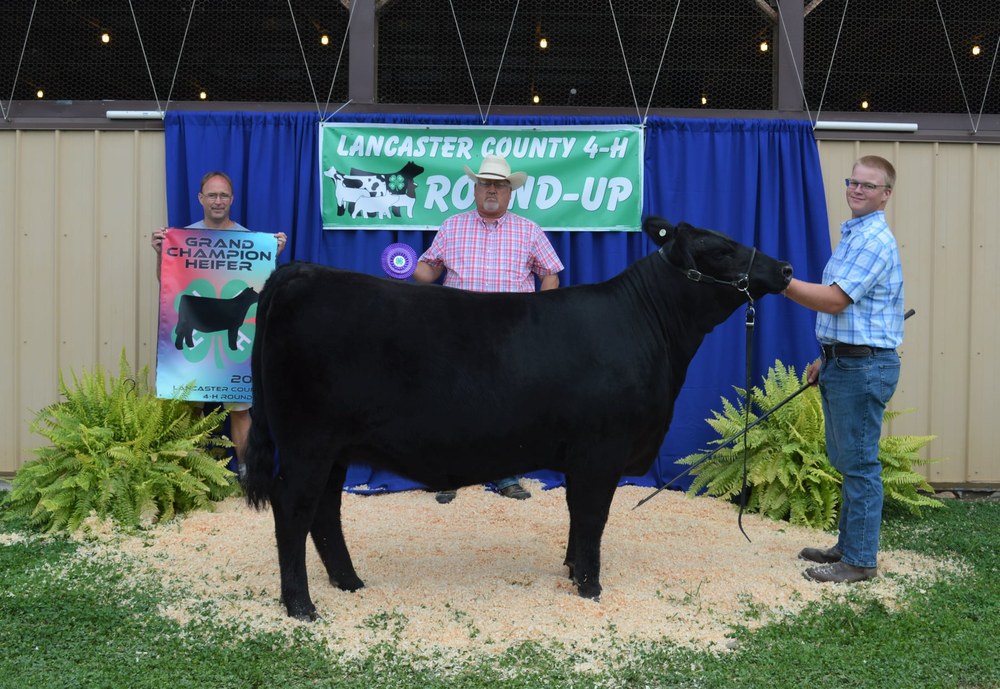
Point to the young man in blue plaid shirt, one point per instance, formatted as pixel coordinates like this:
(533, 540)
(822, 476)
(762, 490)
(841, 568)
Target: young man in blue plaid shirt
(859, 325)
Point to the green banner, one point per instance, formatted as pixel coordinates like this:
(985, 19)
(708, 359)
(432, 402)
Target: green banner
(413, 176)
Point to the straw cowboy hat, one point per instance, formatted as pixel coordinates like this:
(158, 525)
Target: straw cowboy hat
(496, 168)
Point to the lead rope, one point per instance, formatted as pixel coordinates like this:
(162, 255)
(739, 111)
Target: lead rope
(750, 320)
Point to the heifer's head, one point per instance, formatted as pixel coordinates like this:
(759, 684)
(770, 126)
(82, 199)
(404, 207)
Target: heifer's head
(707, 256)
(248, 296)
(411, 169)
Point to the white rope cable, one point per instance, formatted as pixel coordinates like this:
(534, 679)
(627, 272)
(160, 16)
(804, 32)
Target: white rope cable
(336, 70)
(145, 59)
(305, 60)
(13, 87)
(986, 89)
(479, 105)
(187, 27)
(663, 55)
(954, 62)
(833, 56)
(795, 65)
(502, 58)
(621, 45)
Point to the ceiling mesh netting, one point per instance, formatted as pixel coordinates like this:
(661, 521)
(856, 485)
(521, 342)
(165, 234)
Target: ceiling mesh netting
(894, 55)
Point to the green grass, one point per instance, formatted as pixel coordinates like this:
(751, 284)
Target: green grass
(67, 621)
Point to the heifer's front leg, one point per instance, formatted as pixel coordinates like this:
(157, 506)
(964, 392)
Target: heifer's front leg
(589, 501)
(328, 534)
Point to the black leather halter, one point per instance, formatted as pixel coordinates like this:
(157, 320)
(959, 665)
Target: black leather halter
(741, 283)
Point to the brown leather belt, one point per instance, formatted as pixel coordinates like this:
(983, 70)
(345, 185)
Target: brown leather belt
(834, 350)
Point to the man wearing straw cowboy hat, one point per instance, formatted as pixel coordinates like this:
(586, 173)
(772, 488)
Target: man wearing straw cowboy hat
(491, 250)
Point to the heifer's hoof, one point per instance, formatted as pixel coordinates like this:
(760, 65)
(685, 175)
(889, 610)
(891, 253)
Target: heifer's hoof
(302, 613)
(571, 567)
(591, 591)
(348, 583)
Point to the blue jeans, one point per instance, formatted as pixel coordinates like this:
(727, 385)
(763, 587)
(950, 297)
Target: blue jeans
(854, 392)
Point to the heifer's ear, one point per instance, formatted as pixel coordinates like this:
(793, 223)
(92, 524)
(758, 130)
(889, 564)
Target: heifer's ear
(658, 229)
(679, 251)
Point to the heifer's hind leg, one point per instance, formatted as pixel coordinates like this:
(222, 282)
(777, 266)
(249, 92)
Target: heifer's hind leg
(589, 501)
(295, 497)
(570, 560)
(328, 534)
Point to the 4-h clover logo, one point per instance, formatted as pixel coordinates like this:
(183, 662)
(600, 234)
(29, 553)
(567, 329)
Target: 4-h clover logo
(397, 183)
(220, 326)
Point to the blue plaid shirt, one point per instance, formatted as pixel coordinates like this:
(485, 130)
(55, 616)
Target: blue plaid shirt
(866, 266)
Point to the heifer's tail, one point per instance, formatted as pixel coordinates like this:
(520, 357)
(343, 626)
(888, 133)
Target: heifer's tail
(261, 459)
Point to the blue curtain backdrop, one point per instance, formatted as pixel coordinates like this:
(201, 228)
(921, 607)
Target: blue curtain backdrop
(758, 181)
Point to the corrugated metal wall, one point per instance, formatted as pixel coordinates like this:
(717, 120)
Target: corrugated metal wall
(79, 282)
(77, 208)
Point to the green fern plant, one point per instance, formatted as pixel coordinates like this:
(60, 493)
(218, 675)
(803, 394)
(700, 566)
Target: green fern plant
(788, 472)
(121, 453)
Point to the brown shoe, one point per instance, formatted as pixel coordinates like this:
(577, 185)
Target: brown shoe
(515, 491)
(823, 557)
(840, 573)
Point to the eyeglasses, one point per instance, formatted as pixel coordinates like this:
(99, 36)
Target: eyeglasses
(867, 186)
(498, 183)
(217, 197)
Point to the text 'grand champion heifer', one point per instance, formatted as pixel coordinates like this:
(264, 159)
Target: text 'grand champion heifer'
(455, 388)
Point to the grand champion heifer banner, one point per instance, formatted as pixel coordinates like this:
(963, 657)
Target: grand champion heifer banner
(586, 177)
(209, 283)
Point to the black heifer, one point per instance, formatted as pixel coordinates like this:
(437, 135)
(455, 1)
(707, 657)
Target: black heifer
(455, 388)
(208, 314)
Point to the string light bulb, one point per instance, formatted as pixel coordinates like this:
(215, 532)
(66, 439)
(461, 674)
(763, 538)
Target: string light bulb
(324, 39)
(203, 95)
(39, 94)
(864, 104)
(543, 43)
(536, 99)
(764, 47)
(105, 38)
(704, 100)
(976, 50)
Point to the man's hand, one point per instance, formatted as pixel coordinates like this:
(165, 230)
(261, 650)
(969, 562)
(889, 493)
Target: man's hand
(157, 239)
(282, 239)
(812, 372)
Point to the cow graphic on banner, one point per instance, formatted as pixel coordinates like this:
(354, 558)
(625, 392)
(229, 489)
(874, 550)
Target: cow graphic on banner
(209, 283)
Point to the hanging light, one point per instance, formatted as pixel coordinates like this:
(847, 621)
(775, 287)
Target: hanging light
(536, 99)
(704, 100)
(39, 94)
(105, 38)
(976, 50)
(864, 104)
(543, 40)
(324, 39)
(764, 47)
(203, 95)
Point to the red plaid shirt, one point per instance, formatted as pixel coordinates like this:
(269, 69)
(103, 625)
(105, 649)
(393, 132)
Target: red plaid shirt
(502, 256)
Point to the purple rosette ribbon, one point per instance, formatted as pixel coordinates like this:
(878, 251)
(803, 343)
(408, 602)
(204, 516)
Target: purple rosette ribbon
(399, 261)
